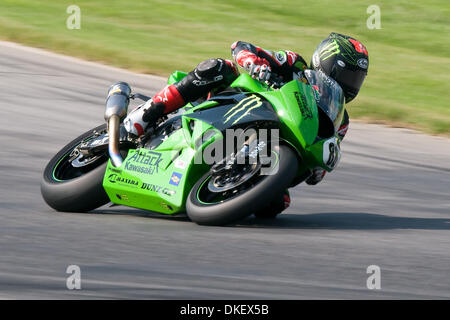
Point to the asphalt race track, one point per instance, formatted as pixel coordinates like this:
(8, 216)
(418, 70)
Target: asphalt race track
(388, 204)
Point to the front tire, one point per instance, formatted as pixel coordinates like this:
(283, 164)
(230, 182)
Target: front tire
(74, 190)
(247, 202)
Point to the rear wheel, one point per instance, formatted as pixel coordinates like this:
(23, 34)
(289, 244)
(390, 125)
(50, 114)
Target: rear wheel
(65, 187)
(219, 200)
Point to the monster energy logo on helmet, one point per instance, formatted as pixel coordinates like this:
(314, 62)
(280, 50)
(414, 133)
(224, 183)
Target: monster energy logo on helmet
(329, 50)
(339, 44)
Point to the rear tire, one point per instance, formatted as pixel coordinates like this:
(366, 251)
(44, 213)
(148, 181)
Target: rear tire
(247, 202)
(75, 194)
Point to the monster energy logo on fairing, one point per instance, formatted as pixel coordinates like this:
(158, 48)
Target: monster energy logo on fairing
(245, 106)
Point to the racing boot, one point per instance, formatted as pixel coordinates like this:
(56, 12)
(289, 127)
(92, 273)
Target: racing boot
(275, 207)
(342, 131)
(165, 101)
(316, 176)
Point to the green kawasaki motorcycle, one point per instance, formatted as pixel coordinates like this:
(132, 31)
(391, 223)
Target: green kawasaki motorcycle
(219, 160)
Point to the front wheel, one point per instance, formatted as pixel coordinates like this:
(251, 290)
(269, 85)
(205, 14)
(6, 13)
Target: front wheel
(65, 187)
(208, 206)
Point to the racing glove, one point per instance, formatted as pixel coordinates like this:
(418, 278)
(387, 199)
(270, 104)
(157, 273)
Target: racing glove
(258, 68)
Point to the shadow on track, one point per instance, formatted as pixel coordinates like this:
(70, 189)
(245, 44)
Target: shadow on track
(329, 220)
(346, 221)
(123, 211)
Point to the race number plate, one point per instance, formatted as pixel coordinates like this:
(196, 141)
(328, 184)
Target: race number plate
(331, 153)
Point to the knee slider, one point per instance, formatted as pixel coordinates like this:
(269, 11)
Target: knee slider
(208, 68)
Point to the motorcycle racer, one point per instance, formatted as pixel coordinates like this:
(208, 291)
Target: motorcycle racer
(341, 57)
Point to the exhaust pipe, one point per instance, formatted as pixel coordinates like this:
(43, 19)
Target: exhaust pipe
(113, 145)
(116, 110)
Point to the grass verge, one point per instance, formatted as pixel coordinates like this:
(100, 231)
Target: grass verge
(409, 72)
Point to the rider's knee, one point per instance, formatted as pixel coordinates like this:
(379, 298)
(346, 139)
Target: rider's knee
(216, 70)
(208, 75)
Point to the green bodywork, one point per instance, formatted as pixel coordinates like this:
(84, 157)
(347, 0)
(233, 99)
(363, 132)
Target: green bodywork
(161, 179)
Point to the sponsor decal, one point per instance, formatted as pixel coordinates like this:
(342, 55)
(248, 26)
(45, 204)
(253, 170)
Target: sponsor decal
(359, 46)
(303, 105)
(160, 97)
(157, 189)
(316, 93)
(144, 162)
(363, 63)
(180, 164)
(243, 108)
(115, 178)
(292, 56)
(200, 83)
(315, 60)
(175, 179)
(280, 57)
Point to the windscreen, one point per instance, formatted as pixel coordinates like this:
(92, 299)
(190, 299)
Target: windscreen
(330, 97)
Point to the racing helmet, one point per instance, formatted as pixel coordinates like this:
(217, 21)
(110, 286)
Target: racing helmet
(344, 59)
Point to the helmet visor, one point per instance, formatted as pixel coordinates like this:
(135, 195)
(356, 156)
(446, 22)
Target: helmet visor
(350, 80)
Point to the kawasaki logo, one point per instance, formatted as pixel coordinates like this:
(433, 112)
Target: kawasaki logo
(146, 163)
(243, 108)
(303, 105)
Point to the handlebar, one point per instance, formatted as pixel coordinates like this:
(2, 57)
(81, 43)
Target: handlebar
(275, 81)
(140, 96)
